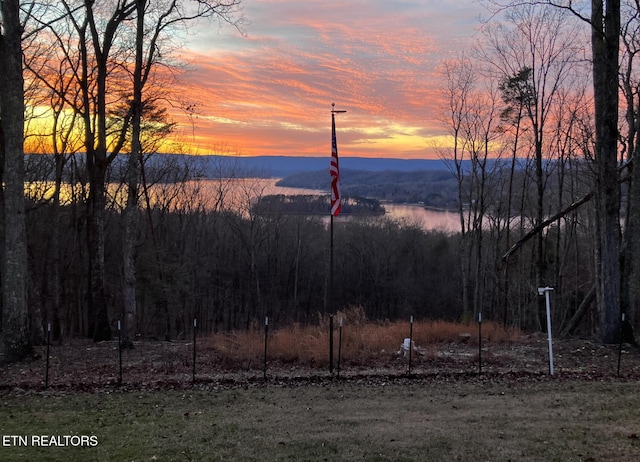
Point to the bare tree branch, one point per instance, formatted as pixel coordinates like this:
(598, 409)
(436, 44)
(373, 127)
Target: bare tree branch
(583, 200)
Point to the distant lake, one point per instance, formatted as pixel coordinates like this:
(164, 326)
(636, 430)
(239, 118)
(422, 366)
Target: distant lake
(428, 219)
(241, 193)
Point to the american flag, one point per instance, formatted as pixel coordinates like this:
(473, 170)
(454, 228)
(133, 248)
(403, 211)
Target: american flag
(335, 171)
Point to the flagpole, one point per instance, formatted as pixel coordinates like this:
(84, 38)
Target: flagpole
(331, 302)
(334, 211)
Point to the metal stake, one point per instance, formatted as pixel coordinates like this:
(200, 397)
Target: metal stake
(339, 347)
(46, 374)
(120, 352)
(410, 341)
(480, 343)
(266, 332)
(620, 347)
(545, 291)
(195, 325)
(331, 344)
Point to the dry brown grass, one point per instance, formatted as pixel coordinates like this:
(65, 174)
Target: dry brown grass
(362, 341)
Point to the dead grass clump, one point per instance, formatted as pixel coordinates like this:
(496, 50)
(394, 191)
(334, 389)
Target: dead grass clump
(430, 332)
(245, 347)
(494, 332)
(363, 342)
(352, 316)
(300, 344)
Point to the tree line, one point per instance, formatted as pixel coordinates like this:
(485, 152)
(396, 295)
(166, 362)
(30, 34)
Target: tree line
(216, 250)
(222, 251)
(555, 84)
(433, 188)
(96, 67)
(309, 204)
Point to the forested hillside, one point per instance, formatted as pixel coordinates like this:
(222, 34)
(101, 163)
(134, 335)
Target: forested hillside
(229, 254)
(232, 261)
(431, 188)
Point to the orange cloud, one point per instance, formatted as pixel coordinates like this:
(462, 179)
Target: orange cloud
(270, 93)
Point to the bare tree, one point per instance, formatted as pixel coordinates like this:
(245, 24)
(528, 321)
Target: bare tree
(534, 52)
(161, 16)
(250, 226)
(62, 139)
(100, 60)
(130, 214)
(604, 20)
(605, 42)
(15, 320)
(630, 85)
(460, 82)
(472, 117)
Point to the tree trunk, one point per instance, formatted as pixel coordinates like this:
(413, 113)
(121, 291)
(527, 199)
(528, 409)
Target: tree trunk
(58, 323)
(130, 217)
(605, 18)
(130, 224)
(630, 297)
(14, 271)
(99, 327)
(631, 247)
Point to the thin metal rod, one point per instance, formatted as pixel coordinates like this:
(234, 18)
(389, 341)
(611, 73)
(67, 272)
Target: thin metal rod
(331, 343)
(479, 343)
(331, 265)
(548, 302)
(620, 346)
(410, 341)
(266, 334)
(195, 325)
(339, 347)
(46, 374)
(120, 352)
(545, 291)
(331, 299)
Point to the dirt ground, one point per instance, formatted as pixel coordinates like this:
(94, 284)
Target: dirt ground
(84, 366)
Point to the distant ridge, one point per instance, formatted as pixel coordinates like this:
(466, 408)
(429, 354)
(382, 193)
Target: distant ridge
(281, 166)
(212, 166)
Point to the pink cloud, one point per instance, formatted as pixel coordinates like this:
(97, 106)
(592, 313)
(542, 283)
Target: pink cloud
(271, 91)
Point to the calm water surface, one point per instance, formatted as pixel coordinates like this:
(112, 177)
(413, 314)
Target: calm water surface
(433, 220)
(241, 193)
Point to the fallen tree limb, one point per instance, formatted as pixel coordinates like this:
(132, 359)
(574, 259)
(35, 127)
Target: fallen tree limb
(580, 312)
(583, 200)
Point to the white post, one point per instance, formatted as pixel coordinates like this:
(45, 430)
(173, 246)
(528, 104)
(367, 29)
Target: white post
(545, 291)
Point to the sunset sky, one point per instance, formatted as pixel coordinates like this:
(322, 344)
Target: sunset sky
(270, 92)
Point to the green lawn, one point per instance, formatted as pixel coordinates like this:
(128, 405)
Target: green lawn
(411, 421)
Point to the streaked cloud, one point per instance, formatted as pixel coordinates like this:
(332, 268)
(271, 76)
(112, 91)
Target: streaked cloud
(270, 92)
